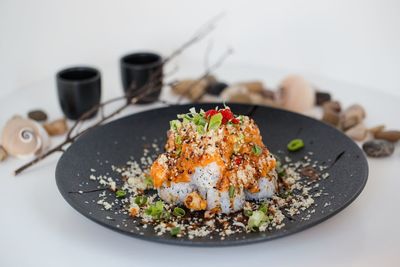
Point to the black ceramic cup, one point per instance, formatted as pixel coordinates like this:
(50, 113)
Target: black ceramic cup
(142, 72)
(79, 90)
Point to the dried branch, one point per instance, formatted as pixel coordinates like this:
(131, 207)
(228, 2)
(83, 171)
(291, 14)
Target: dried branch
(131, 97)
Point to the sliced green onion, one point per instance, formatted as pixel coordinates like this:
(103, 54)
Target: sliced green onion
(215, 121)
(263, 207)
(175, 231)
(231, 191)
(141, 200)
(179, 212)
(257, 150)
(155, 210)
(295, 144)
(148, 181)
(256, 219)
(120, 193)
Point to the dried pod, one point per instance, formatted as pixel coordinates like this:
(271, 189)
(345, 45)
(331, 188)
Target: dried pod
(376, 129)
(253, 86)
(3, 153)
(352, 116)
(193, 89)
(24, 137)
(56, 127)
(358, 132)
(296, 94)
(391, 136)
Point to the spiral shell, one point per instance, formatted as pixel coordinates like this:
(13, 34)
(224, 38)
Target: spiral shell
(24, 137)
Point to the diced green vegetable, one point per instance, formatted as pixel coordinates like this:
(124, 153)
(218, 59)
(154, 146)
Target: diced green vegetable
(120, 193)
(215, 121)
(257, 150)
(175, 231)
(295, 144)
(200, 129)
(179, 212)
(231, 191)
(178, 140)
(256, 219)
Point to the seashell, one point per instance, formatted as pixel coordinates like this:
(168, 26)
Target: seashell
(376, 129)
(296, 94)
(24, 137)
(330, 116)
(236, 94)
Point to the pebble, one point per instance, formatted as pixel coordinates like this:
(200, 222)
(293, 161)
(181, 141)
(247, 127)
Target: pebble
(358, 132)
(378, 148)
(193, 89)
(3, 153)
(216, 88)
(391, 136)
(37, 115)
(56, 127)
(322, 97)
(352, 116)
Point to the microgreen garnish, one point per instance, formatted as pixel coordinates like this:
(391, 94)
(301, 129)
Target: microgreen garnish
(247, 212)
(295, 144)
(175, 125)
(263, 207)
(178, 140)
(257, 150)
(179, 212)
(120, 193)
(215, 121)
(175, 231)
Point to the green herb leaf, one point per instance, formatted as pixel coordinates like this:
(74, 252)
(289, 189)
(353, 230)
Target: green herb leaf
(179, 212)
(215, 121)
(295, 144)
(175, 231)
(256, 219)
(120, 193)
(257, 150)
(175, 125)
(231, 191)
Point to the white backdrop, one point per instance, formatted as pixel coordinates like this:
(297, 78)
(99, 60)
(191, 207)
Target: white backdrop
(356, 41)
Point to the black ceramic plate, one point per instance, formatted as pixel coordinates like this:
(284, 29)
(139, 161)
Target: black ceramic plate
(116, 142)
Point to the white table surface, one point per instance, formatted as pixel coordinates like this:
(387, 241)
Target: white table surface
(39, 228)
